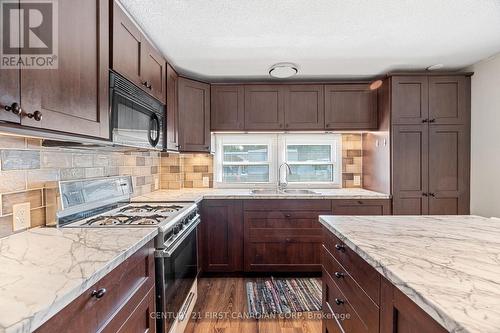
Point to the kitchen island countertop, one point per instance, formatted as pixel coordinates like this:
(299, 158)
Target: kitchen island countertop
(448, 265)
(44, 269)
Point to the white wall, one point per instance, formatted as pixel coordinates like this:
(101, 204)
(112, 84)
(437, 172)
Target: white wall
(485, 137)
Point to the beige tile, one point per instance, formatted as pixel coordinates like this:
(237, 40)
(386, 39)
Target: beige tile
(351, 168)
(192, 176)
(188, 184)
(7, 141)
(33, 143)
(39, 178)
(13, 159)
(11, 181)
(52, 159)
(83, 160)
(34, 197)
(5, 226)
(37, 217)
(72, 173)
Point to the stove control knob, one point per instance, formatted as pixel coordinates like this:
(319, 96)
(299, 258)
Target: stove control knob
(176, 229)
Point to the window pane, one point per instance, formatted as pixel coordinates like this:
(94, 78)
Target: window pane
(246, 174)
(311, 173)
(305, 153)
(245, 153)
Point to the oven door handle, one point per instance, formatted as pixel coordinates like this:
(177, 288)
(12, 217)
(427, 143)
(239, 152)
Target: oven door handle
(167, 253)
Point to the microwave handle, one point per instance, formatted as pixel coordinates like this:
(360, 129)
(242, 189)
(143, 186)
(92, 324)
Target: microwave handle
(154, 126)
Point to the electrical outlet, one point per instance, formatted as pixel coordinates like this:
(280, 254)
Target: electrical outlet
(206, 182)
(21, 218)
(357, 180)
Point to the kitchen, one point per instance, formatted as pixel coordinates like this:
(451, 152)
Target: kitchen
(170, 166)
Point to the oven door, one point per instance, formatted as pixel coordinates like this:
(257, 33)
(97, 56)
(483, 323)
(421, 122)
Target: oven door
(176, 271)
(135, 125)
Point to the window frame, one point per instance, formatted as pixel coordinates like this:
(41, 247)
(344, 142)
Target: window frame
(277, 143)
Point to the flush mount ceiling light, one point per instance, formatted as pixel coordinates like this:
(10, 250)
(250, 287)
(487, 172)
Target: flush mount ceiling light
(376, 84)
(435, 67)
(283, 70)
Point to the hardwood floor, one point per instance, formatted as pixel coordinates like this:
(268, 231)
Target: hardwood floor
(222, 303)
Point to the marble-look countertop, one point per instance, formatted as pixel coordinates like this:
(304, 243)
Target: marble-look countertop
(227, 193)
(448, 265)
(44, 269)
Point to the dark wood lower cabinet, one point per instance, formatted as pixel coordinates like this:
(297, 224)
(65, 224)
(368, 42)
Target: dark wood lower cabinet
(125, 306)
(221, 236)
(357, 299)
(362, 207)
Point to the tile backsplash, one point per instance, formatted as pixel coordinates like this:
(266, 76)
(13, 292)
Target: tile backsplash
(186, 170)
(352, 157)
(26, 168)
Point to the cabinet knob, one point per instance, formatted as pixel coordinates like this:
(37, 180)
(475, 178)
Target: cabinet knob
(288, 240)
(340, 247)
(360, 202)
(339, 301)
(432, 195)
(15, 108)
(207, 147)
(425, 194)
(425, 120)
(288, 215)
(327, 125)
(432, 120)
(98, 293)
(37, 115)
(339, 275)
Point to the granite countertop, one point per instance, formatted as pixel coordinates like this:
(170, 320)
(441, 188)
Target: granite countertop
(44, 269)
(212, 193)
(448, 265)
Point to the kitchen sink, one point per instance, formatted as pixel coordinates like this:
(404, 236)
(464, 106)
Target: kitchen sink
(299, 192)
(290, 191)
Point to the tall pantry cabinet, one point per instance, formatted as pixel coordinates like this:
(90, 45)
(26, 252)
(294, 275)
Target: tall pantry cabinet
(430, 119)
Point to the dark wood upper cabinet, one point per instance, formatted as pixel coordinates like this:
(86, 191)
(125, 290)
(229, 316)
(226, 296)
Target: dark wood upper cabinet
(264, 107)
(350, 106)
(221, 236)
(410, 99)
(448, 99)
(410, 144)
(448, 170)
(194, 116)
(172, 127)
(74, 97)
(127, 46)
(10, 89)
(153, 71)
(304, 107)
(227, 107)
(135, 58)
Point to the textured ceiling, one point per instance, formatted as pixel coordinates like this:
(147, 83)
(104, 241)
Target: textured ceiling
(327, 38)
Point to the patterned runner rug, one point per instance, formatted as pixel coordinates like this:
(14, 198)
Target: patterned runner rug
(279, 296)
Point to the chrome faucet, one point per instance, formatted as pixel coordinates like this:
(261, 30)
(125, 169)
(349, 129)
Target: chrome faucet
(283, 184)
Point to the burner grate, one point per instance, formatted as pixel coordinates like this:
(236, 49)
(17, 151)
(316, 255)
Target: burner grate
(149, 209)
(124, 220)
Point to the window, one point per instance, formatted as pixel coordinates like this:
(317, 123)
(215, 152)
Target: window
(312, 158)
(244, 159)
(253, 159)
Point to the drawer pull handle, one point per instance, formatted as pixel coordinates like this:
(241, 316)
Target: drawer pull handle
(288, 215)
(340, 247)
(339, 275)
(339, 301)
(98, 293)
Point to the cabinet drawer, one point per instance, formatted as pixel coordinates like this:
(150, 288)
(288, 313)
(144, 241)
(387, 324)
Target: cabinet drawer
(349, 287)
(284, 235)
(364, 274)
(284, 219)
(362, 207)
(350, 318)
(130, 281)
(288, 205)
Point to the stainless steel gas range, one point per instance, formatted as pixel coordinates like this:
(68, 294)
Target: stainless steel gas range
(106, 203)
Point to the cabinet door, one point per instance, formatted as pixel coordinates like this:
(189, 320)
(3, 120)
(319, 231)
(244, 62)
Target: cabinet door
(127, 46)
(227, 107)
(362, 207)
(350, 106)
(194, 116)
(410, 169)
(398, 314)
(410, 99)
(448, 170)
(172, 109)
(304, 107)
(221, 239)
(448, 100)
(153, 71)
(74, 97)
(10, 90)
(264, 107)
